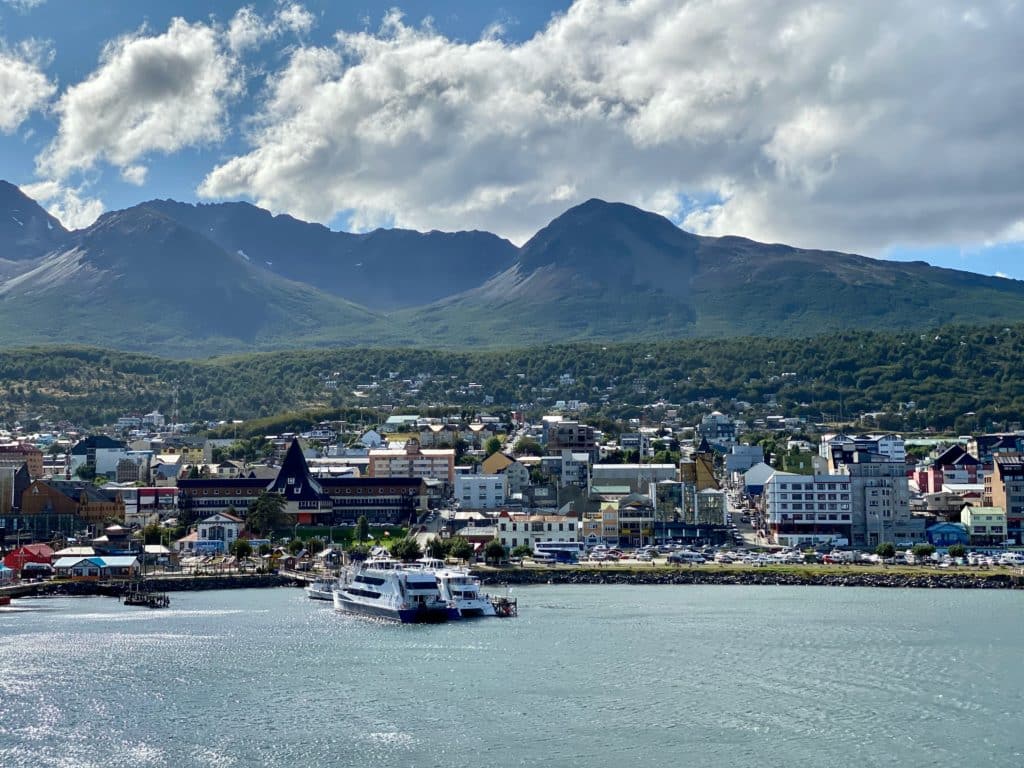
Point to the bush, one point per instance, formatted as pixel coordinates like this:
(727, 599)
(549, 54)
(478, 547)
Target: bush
(923, 551)
(957, 550)
(886, 549)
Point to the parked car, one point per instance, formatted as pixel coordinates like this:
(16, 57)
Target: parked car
(686, 557)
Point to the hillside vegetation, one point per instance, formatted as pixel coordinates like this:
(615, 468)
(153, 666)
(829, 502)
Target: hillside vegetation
(956, 377)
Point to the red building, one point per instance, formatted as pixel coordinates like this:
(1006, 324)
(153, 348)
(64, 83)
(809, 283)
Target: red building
(29, 553)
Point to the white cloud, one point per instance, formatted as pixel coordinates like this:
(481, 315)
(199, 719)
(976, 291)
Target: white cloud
(24, 87)
(24, 6)
(151, 93)
(65, 203)
(247, 29)
(849, 126)
(135, 174)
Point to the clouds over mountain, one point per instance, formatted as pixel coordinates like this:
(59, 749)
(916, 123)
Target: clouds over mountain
(151, 93)
(850, 126)
(24, 87)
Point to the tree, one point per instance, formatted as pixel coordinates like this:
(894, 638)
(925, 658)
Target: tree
(151, 534)
(494, 552)
(460, 548)
(886, 549)
(522, 550)
(957, 550)
(362, 532)
(295, 546)
(267, 513)
(923, 551)
(492, 446)
(437, 548)
(85, 472)
(406, 549)
(527, 446)
(265, 549)
(241, 548)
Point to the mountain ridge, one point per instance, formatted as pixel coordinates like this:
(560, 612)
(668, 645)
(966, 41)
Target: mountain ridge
(189, 280)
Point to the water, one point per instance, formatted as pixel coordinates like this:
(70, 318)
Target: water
(587, 675)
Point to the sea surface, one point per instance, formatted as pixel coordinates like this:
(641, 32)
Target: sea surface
(586, 676)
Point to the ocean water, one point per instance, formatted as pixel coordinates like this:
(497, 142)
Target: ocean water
(586, 676)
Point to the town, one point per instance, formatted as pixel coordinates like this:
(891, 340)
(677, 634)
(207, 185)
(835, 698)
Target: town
(555, 489)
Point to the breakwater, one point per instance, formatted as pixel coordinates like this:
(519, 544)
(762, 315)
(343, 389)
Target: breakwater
(162, 584)
(750, 577)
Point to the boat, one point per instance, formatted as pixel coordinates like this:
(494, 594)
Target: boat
(5, 600)
(388, 589)
(140, 597)
(321, 589)
(457, 586)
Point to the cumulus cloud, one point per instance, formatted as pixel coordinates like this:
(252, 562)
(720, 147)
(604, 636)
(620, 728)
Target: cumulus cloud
(151, 93)
(67, 204)
(848, 126)
(247, 29)
(24, 87)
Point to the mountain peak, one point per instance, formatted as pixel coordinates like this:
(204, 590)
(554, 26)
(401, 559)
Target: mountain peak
(27, 231)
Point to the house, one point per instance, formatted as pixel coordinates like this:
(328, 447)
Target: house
(495, 463)
(948, 534)
(222, 527)
(985, 525)
(515, 530)
(755, 479)
(78, 568)
(481, 491)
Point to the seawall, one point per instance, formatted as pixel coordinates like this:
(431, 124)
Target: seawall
(938, 580)
(162, 584)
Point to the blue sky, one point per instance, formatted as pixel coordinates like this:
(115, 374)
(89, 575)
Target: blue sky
(885, 129)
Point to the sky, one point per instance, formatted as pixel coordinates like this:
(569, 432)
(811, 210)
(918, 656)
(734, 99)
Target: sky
(884, 127)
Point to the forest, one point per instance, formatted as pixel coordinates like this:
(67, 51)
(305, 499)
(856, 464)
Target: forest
(956, 377)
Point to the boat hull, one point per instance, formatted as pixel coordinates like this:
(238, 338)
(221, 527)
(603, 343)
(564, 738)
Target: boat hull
(421, 615)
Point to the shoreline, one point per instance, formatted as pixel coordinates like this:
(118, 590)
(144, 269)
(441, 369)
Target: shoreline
(750, 577)
(500, 577)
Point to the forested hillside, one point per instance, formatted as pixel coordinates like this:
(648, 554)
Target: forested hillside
(954, 377)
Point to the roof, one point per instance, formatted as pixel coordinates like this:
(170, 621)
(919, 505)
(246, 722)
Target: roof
(75, 552)
(759, 474)
(70, 562)
(93, 442)
(120, 561)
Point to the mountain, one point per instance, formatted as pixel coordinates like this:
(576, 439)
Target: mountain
(137, 279)
(192, 280)
(26, 230)
(385, 269)
(610, 271)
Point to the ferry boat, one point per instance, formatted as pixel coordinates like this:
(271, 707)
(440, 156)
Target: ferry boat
(387, 589)
(321, 589)
(459, 588)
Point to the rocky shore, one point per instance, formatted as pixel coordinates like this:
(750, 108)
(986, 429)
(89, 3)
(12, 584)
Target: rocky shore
(163, 584)
(938, 580)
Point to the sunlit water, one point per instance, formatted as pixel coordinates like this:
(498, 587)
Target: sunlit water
(587, 675)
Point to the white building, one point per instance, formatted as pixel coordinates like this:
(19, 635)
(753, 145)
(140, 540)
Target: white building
(808, 509)
(481, 491)
(516, 530)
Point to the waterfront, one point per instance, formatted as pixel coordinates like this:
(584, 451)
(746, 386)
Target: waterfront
(594, 675)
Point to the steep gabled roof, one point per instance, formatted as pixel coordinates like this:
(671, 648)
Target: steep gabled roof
(293, 480)
(955, 455)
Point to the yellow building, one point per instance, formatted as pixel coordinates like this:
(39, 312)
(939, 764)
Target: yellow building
(985, 525)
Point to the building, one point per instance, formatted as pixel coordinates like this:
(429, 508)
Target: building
(986, 526)
(518, 530)
(953, 466)
(637, 477)
(481, 491)
(840, 449)
(221, 527)
(312, 501)
(99, 453)
(1004, 488)
(29, 454)
(807, 510)
(570, 436)
(718, 429)
(743, 457)
(413, 461)
(947, 534)
(575, 468)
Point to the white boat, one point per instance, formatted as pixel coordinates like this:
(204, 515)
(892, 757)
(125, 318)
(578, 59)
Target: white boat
(459, 588)
(388, 589)
(321, 589)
